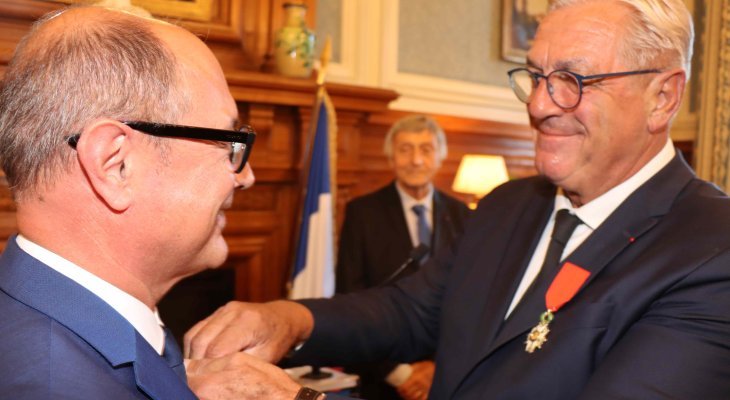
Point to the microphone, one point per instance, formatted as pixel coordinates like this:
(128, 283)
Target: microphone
(417, 254)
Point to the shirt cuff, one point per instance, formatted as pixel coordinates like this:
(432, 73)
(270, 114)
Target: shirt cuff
(399, 375)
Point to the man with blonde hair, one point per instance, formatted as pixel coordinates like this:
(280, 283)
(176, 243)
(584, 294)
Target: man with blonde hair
(606, 277)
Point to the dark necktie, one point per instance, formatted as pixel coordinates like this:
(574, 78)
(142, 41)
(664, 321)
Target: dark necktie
(533, 301)
(424, 232)
(172, 354)
(565, 224)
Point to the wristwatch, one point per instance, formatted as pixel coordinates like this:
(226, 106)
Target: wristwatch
(306, 393)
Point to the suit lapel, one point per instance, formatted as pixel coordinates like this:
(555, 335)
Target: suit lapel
(441, 220)
(42, 288)
(155, 377)
(393, 213)
(636, 216)
(632, 219)
(527, 225)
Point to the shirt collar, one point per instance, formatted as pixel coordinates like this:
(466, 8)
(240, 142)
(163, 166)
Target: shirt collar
(146, 321)
(408, 201)
(596, 211)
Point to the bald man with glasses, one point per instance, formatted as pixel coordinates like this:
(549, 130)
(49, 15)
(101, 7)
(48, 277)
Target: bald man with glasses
(605, 277)
(121, 146)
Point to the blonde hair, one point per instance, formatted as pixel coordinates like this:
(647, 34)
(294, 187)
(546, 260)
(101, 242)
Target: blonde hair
(657, 29)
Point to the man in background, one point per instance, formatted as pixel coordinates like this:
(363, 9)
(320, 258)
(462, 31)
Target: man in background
(118, 141)
(381, 230)
(606, 277)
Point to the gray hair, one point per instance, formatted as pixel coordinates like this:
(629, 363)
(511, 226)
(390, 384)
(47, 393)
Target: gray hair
(657, 27)
(59, 80)
(416, 123)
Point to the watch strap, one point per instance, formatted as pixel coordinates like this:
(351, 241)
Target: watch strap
(306, 393)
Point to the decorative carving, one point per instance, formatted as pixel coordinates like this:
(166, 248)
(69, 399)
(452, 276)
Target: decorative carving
(196, 10)
(722, 109)
(714, 138)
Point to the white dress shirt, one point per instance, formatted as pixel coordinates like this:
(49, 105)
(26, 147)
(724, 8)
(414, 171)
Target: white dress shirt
(407, 201)
(591, 214)
(146, 321)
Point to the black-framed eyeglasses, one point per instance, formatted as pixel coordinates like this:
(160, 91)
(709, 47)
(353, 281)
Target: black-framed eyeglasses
(565, 87)
(241, 140)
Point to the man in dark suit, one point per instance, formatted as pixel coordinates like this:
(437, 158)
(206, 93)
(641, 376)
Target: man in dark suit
(606, 277)
(111, 213)
(381, 229)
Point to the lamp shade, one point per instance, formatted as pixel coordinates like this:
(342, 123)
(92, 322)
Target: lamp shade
(479, 174)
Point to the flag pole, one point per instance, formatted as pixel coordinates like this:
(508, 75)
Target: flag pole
(325, 101)
(319, 101)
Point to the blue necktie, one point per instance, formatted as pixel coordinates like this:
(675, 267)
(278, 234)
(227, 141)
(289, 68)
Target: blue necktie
(424, 232)
(173, 356)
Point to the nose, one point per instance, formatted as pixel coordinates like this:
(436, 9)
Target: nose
(417, 158)
(245, 179)
(541, 105)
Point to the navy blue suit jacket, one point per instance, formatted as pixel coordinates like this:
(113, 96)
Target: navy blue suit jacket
(374, 240)
(651, 322)
(60, 341)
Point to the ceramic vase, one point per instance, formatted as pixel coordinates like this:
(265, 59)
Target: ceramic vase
(294, 43)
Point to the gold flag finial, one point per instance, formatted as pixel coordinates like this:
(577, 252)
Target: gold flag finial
(324, 60)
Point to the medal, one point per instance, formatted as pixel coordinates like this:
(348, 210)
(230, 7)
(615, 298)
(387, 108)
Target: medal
(562, 289)
(538, 335)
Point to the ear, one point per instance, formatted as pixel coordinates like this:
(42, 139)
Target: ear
(667, 90)
(103, 149)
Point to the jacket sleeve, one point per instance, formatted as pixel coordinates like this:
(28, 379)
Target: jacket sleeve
(399, 322)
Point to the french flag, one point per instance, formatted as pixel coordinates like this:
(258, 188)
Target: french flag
(314, 266)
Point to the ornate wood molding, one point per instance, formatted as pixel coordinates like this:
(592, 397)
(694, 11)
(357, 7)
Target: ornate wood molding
(714, 136)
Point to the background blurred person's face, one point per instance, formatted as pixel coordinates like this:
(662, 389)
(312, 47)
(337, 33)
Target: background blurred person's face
(415, 158)
(604, 140)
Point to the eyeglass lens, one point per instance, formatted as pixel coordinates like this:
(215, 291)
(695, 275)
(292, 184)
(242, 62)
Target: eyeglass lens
(238, 151)
(563, 88)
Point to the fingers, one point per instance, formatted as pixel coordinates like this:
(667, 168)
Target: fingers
(235, 361)
(230, 339)
(196, 338)
(266, 330)
(417, 386)
(412, 392)
(239, 376)
(206, 365)
(218, 335)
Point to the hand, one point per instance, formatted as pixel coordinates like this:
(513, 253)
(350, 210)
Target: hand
(238, 376)
(267, 330)
(417, 386)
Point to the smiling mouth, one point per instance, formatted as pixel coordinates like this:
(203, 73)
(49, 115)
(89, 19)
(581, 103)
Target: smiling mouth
(555, 127)
(557, 135)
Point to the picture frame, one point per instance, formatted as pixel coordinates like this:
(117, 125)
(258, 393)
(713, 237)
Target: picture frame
(520, 19)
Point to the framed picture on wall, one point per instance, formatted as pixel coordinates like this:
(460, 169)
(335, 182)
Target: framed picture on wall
(519, 24)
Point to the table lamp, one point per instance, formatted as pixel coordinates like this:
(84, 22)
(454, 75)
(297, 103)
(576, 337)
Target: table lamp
(478, 175)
